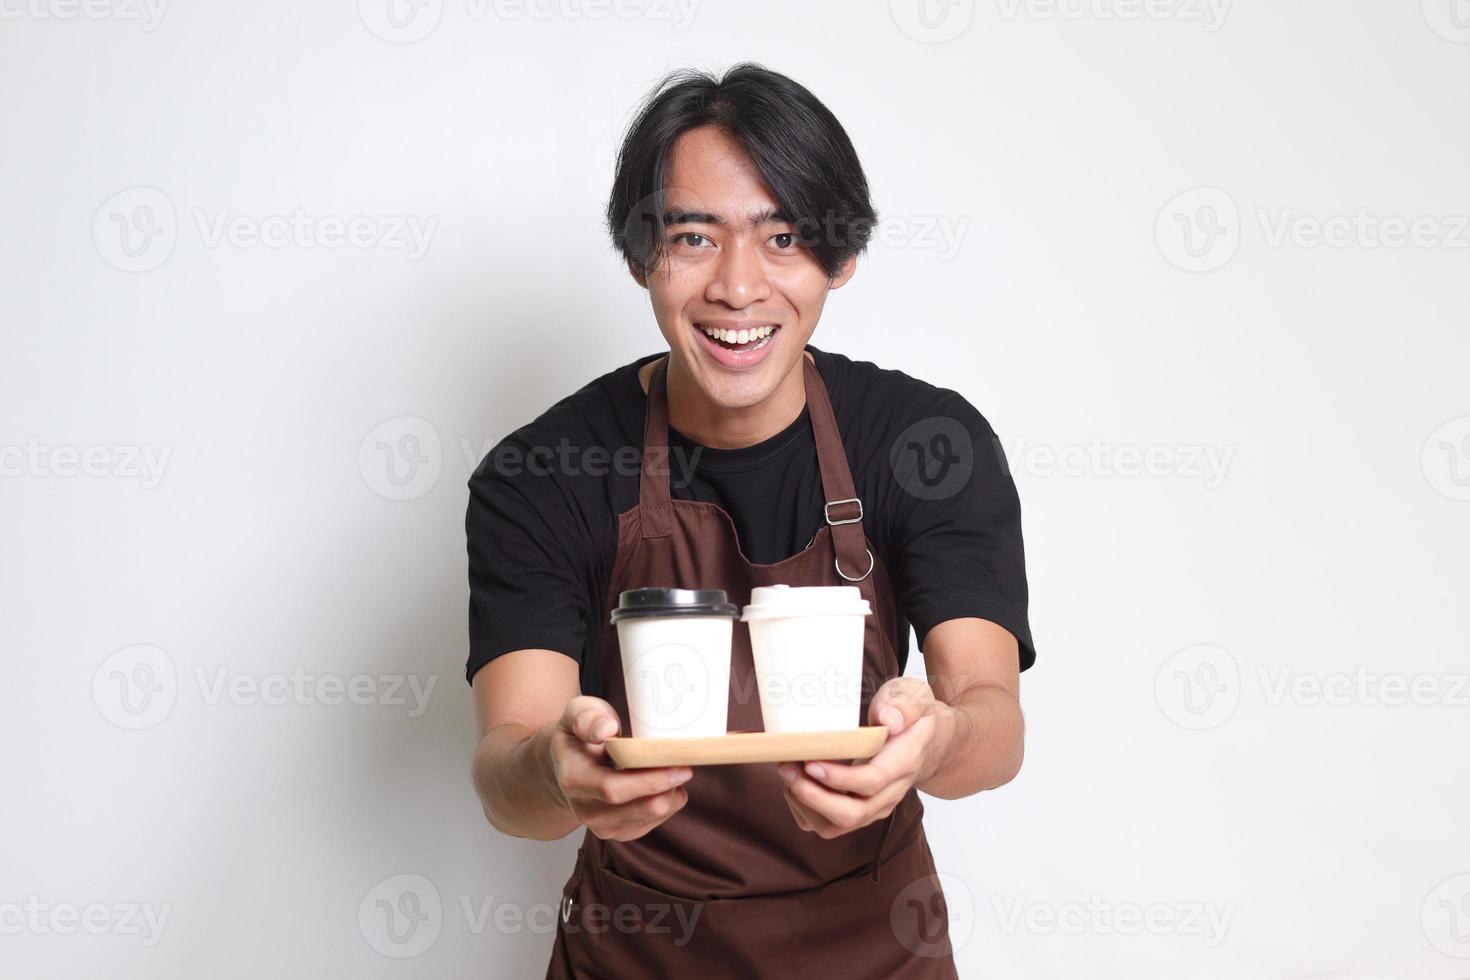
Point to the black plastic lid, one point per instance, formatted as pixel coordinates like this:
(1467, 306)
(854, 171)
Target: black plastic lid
(637, 603)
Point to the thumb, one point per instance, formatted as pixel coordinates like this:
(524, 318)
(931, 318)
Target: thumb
(898, 704)
(591, 720)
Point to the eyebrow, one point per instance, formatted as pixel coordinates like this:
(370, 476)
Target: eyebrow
(683, 216)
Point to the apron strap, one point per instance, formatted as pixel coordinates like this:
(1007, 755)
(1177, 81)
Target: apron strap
(655, 508)
(842, 510)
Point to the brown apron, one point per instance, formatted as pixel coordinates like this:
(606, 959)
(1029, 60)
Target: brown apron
(730, 886)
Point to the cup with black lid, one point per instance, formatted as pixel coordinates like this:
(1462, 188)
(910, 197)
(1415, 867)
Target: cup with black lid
(675, 646)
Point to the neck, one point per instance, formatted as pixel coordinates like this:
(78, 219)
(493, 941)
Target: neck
(733, 428)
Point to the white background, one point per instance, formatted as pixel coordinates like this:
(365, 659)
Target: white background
(1083, 305)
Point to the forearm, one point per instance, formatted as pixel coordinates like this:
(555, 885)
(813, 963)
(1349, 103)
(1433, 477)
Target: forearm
(979, 745)
(517, 786)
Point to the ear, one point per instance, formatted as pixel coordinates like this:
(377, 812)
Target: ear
(844, 273)
(637, 274)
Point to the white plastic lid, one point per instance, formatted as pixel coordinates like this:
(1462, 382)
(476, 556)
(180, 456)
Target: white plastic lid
(779, 601)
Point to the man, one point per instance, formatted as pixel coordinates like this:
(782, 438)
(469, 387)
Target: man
(737, 204)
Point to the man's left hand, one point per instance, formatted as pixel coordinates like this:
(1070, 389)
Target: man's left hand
(835, 798)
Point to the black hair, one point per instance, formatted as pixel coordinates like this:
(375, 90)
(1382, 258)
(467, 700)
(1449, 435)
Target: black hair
(794, 142)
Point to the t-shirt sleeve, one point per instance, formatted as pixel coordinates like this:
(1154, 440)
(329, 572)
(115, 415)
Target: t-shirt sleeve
(526, 590)
(956, 529)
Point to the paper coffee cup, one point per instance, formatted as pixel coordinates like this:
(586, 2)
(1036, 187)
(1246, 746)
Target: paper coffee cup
(675, 646)
(807, 643)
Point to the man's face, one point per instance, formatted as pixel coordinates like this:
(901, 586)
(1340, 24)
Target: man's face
(732, 263)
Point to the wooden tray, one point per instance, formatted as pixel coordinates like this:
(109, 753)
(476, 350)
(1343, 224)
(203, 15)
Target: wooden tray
(736, 747)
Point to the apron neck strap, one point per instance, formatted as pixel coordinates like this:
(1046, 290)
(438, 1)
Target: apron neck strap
(843, 511)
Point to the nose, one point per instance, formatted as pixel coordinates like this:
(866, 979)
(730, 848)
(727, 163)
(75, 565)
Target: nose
(739, 277)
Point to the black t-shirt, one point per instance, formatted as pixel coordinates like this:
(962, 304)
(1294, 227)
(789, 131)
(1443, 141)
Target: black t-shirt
(940, 508)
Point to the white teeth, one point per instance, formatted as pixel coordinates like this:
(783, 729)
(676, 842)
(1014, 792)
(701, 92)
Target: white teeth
(740, 337)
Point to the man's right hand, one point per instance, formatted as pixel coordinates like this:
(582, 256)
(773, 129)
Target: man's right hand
(613, 804)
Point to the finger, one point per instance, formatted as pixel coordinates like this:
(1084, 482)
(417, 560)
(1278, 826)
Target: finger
(616, 787)
(899, 703)
(900, 753)
(641, 816)
(806, 819)
(866, 779)
(839, 809)
(593, 721)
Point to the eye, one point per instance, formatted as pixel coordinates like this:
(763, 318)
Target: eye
(784, 240)
(693, 238)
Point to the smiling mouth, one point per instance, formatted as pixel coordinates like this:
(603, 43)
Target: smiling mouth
(743, 340)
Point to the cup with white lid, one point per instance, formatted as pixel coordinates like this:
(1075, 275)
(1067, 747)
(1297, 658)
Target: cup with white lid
(807, 644)
(675, 646)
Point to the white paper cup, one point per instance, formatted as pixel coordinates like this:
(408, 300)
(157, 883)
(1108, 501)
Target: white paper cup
(807, 643)
(675, 646)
